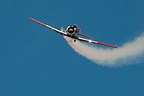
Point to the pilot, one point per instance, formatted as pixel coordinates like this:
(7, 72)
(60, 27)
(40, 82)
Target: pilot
(74, 27)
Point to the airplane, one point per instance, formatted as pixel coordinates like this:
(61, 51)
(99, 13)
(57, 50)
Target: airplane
(73, 32)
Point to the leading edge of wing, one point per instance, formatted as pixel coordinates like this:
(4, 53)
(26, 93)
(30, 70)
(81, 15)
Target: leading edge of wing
(95, 42)
(48, 26)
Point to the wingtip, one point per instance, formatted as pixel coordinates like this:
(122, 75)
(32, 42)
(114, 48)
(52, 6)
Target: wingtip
(109, 45)
(115, 47)
(30, 18)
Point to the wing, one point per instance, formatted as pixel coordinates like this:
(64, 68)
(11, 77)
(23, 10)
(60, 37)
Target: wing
(96, 42)
(52, 28)
(63, 33)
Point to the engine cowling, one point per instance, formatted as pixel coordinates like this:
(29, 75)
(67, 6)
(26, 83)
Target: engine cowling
(71, 30)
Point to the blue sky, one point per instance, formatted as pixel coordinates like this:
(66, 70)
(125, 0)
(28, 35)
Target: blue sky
(35, 61)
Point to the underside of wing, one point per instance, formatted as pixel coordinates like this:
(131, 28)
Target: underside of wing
(95, 42)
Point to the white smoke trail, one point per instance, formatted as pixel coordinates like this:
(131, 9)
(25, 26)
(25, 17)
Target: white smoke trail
(129, 53)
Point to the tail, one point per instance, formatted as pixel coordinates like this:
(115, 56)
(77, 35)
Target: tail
(63, 29)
